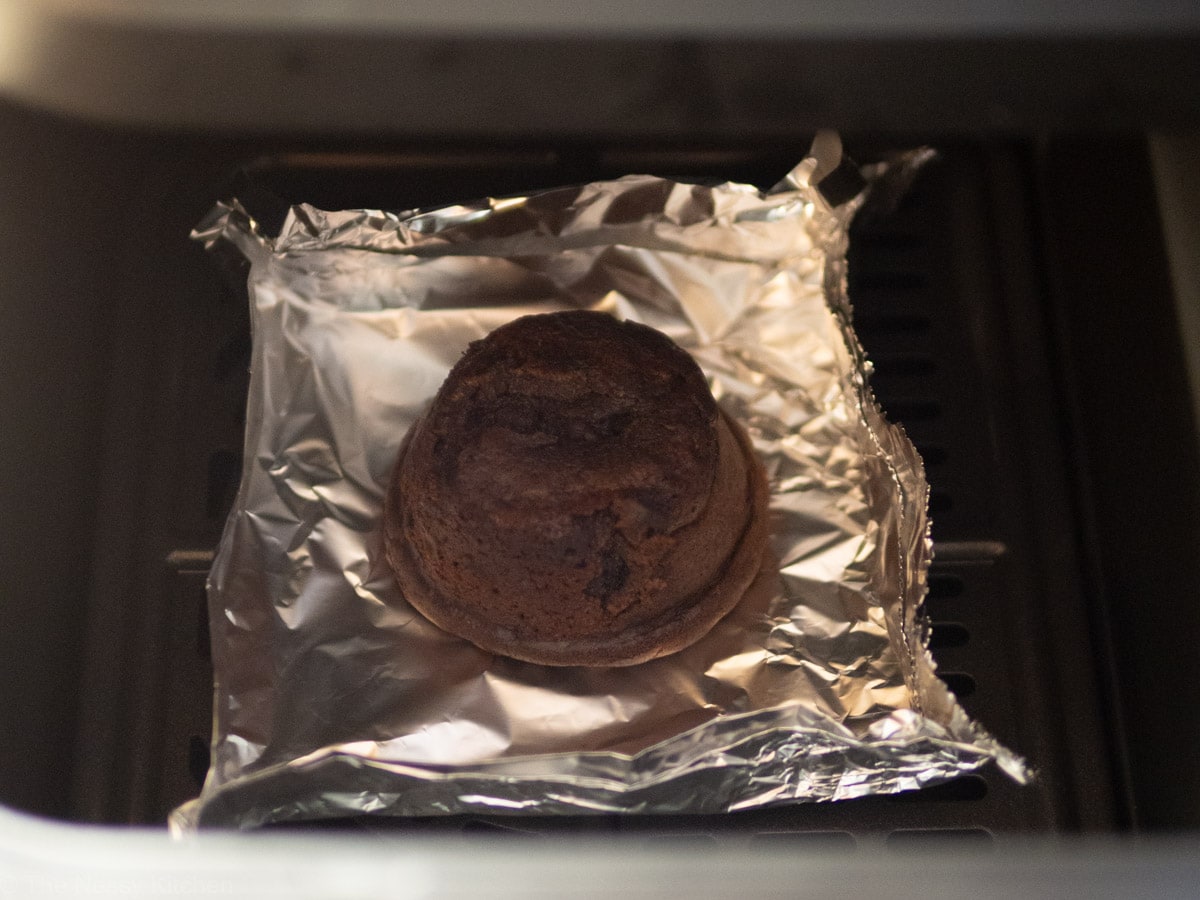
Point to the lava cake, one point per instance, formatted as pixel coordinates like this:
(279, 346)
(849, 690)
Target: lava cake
(575, 496)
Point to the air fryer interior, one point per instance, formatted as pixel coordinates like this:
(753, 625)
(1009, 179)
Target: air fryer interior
(1015, 304)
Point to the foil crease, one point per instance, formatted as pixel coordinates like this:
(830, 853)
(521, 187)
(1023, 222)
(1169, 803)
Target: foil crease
(334, 697)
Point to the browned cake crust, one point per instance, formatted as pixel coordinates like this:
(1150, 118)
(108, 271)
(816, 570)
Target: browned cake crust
(574, 496)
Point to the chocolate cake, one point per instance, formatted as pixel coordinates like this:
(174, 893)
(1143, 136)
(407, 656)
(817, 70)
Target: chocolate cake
(575, 496)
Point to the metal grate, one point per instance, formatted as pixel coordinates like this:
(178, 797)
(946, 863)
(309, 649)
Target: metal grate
(931, 285)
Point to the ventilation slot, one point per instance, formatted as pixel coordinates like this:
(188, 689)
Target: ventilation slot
(960, 683)
(233, 357)
(197, 759)
(886, 281)
(944, 587)
(939, 502)
(224, 470)
(203, 638)
(940, 838)
(948, 634)
(815, 841)
(932, 454)
(912, 409)
(492, 829)
(966, 789)
(888, 324)
(906, 366)
(887, 241)
(682, 841)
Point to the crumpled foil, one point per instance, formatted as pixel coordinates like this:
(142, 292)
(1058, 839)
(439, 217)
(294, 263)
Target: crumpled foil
(334, 697)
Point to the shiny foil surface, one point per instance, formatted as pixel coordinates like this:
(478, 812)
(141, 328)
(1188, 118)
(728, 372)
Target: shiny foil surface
(334, 697)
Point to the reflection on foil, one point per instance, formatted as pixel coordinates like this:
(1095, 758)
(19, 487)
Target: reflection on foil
(334, 697)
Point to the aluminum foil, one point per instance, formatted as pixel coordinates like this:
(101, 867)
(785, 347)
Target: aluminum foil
(334, 697)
